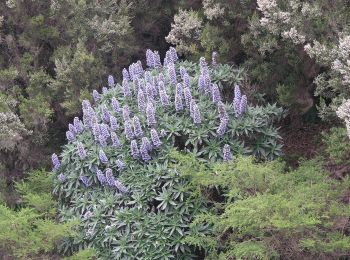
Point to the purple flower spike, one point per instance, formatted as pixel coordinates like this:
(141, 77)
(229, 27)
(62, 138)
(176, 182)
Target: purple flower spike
(70, 136)
(81, 151)
(173, 53)
(105, 113)
(120, 187)
(178, 102)
(86, 104)
(201, 82)
(96, 131)
(101, 177)
(237, 93)
(137, 127)
(110, 81)
(150, 114)
(85, 180)
(150, 58)
(126, 88)
(102, 141)
(196, 114)
(237, 101)
(115, 105)
(141, 101)
(243, 105)
(96, 95)
(113, 123)
(144, 153)
(55, 161)
(128, 130)
(78, 125)
(125, 74)
(188, 96)
(61, 177)
(164, 98)
(103, 157)
(227, 153)
(109, 177)
(134, 149)
(126, 113)
(222, 127)
(203, 64)
(120, 164)
(186, 81)
(146, 143)
(72, 129)
(182, 72)
(115, 140)
(155, 138)
(157, 61)
(104, 131)
(215, 93)
(172, 73)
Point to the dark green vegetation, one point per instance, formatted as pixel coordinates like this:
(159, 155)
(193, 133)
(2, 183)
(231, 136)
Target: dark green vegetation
(290, 53)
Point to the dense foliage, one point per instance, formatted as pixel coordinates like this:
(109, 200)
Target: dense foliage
(128, 134)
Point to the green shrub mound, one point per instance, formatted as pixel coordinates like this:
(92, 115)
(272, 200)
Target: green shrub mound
(266, 212)
(114, 174)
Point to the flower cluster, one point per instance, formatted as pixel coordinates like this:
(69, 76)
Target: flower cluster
(239, 102)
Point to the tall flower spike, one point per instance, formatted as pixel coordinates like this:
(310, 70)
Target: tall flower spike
(96, 131)
(222, 127)
(81, 151)
(188, 96)
(237, 100)
(157, 61)
(70, 136)
(115, 140)
(182, 72)
(72, 129)
(109, 177)
(172, 73)
(150, 114)
(86, 104)
(173, 53)
(155, 138)
(78, 125)
(126, 113)
(201, 82)
(196, 114)
(103, 157)
(215, 93)
(146, 143)
(137, 127)
(125, 74)
(120, 165)
(85, 180)
(102, 140)
(115, 105)
(164, 98)
(227, 155)
(178, 102)
(110, 81)
(150, 58)
(186, 81)
(243, 105)
(95, 95)
(126, 88)
(113, 123)
(144, 153)
(104, 131)
(120, 187)
(55, 161)
(105, 113)
(128, 130)
(134, 149)
(141, 101)
(101, 177)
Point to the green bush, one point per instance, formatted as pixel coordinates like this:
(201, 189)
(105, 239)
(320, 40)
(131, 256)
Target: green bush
(337, 145)
(32, 230)
(262, 211)
(146, 212)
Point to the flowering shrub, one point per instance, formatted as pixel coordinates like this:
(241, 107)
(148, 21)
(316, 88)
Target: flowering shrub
(114, 173)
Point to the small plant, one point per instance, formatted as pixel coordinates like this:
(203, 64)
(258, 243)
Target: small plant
(338, 145)
(113, 174)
